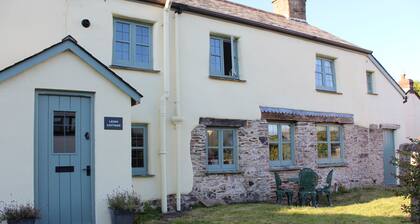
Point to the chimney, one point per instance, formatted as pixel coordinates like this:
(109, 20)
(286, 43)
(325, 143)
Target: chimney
(406, 84)
(291, 9)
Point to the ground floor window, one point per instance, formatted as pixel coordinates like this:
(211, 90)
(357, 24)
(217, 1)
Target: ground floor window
(139, 149)
(329, 143)
(221, 150)
(281, 144)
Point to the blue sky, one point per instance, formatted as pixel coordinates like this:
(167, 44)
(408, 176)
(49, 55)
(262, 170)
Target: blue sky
(390, 28)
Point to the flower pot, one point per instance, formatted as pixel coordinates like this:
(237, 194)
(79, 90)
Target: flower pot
(22, 221)
(122, 217)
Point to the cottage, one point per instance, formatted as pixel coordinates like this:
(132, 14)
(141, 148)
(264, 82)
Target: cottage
(183, 101)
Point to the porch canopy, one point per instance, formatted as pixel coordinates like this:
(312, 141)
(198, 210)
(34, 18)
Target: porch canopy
(285, 114)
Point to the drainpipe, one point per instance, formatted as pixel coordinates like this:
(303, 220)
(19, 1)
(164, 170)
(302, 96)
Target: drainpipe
(177, 119)
(163, 103)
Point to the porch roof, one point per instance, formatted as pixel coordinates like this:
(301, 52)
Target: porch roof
(286, 114)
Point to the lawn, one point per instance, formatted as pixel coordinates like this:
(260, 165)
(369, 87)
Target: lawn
(372, 205)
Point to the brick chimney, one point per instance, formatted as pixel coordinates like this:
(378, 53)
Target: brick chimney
(291, 9)
(406, 84)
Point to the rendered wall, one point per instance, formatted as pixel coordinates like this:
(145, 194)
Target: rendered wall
(111, 154)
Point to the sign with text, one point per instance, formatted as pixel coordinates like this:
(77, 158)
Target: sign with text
(113, 123)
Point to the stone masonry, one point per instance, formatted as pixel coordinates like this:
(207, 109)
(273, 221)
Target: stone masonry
(254, 181)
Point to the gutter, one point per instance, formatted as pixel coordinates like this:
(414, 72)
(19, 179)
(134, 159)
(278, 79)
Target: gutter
(163, 105)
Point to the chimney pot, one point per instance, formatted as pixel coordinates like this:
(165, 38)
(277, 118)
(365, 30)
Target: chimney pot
(291, 9)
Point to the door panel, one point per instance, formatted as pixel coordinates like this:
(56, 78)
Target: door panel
(389, 153)
(64, 188)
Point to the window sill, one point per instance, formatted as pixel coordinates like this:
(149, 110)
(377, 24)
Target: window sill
(134, 68)
(285, 168)
(223, 172)
(373, 94)
(329, 91)
(225, 78)
(143, 175)
(332, 164)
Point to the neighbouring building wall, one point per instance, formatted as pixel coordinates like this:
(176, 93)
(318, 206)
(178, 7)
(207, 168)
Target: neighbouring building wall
(112, 158)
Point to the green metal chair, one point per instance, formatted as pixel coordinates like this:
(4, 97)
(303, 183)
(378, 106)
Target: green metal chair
(326, 189)
(281, 192)
(308, 180)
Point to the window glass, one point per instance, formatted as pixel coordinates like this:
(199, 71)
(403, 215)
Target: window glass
(224, 56)
(139, 149)
(330, 142)
(280, 149)
(325, 74)
(221, 149)
(64, 139)
(132, 44)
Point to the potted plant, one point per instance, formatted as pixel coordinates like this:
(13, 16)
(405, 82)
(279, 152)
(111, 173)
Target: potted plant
(19, 214)
(124, 205)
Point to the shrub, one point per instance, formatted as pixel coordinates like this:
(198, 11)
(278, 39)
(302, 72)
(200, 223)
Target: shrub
(16, 212)
(409, 165)
(124, 201)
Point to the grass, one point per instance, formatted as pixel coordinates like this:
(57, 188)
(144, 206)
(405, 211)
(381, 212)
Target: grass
(370, 205)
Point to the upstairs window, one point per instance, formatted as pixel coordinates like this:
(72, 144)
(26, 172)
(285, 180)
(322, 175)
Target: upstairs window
(224, 57)
(139, 149)
(325, 74)
(370, 84)
(132, 44)
(221, 150)
(281, 144)
(329, 143)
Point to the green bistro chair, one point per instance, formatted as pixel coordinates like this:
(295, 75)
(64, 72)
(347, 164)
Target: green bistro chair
(326, 189)
(280, 192)
(308, 180)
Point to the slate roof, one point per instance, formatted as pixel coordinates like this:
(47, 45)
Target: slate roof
(244, 14)
(70, 44)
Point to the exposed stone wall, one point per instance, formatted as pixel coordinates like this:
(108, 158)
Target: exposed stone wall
(251, 183)
(254, 180)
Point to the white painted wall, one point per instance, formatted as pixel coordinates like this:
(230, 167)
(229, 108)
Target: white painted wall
(17, 102)
(279, 71)
(412, 114)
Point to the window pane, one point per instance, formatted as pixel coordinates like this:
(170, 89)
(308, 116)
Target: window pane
(287, 152)
(285, 132)
(122, 31)
(322, 150)
(227, 156)
(335, 133)
(216, 64)
(227, 137)
(142, 54)
(319, 79)
(318, 65)
(122, 51)
(137, 158)
(274, 152)
(335, 151)
(329, 82)
(215, 47)
(272, 133)
(321, 132)
(212, 138)
(213, 156)
(137, 137)
(328, 67)
(143, 35)
(64, 139)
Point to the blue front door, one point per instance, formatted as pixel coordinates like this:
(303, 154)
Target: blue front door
(64, 159)
(389, 153)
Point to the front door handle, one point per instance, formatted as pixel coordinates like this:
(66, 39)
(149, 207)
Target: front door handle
(87, 136)
(87, 169)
